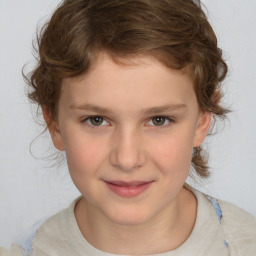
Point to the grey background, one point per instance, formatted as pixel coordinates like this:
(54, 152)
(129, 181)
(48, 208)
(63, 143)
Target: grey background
(31, 191)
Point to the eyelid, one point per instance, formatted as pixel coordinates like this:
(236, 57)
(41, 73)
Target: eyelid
(169, 119)
(87, 118)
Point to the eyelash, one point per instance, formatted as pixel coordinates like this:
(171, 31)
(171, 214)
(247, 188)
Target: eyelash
(168, 119)
(87, 120)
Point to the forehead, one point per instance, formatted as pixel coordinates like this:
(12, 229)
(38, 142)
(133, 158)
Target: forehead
(139, 82)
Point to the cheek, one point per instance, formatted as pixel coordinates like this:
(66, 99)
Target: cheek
(173, 153)
(84, 154)
(84, 160)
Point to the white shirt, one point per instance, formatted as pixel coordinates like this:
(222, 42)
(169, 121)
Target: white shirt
(221, 229)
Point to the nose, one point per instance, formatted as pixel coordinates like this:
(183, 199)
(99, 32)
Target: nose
(127, 153)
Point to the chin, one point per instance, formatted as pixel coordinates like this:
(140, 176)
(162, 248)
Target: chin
(129, 217)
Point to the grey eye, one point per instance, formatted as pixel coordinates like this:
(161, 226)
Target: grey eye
(158, 120)
(96, 120)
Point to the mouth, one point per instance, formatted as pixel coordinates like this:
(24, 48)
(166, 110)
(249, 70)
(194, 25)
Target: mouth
(128, 189)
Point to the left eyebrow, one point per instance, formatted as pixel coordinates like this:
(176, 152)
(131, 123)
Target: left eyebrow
(162, 109)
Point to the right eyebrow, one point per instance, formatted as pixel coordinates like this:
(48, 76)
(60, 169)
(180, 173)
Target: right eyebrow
(93, 108)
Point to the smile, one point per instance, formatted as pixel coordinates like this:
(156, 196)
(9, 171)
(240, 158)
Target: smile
(128, 189)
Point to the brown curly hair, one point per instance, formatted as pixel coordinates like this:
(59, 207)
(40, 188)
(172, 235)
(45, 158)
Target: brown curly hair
(176, 32)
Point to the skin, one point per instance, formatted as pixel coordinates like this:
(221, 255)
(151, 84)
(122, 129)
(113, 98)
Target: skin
(130, 145)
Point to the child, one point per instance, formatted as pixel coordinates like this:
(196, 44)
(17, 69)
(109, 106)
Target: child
(128, 90)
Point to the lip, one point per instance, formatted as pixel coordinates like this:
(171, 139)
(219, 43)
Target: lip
(128, 189)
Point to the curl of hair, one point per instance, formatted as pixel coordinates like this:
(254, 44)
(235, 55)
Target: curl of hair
(175, 32)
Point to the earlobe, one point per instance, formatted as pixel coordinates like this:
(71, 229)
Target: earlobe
(203, 125)
(54, 130)
(56, 136)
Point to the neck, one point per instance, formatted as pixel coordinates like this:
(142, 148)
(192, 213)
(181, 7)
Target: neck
(165, 232)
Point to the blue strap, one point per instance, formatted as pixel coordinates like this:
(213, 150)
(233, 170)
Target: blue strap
(217, 208)
(218, 212)
(27, 239)
(27, 244)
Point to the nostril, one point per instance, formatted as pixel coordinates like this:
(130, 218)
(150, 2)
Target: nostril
(127, 160)
(127, 152)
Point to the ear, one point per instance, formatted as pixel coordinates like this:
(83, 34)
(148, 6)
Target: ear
(53, 128)
(203, 125)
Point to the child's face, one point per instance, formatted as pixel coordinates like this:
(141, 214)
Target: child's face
(128, 132)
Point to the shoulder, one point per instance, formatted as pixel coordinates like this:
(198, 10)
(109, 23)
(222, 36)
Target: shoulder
(239, 227)
(48, 235)
(233, 217)
(237, 220)
(52, 235)
(51, 227)
(15, 250)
